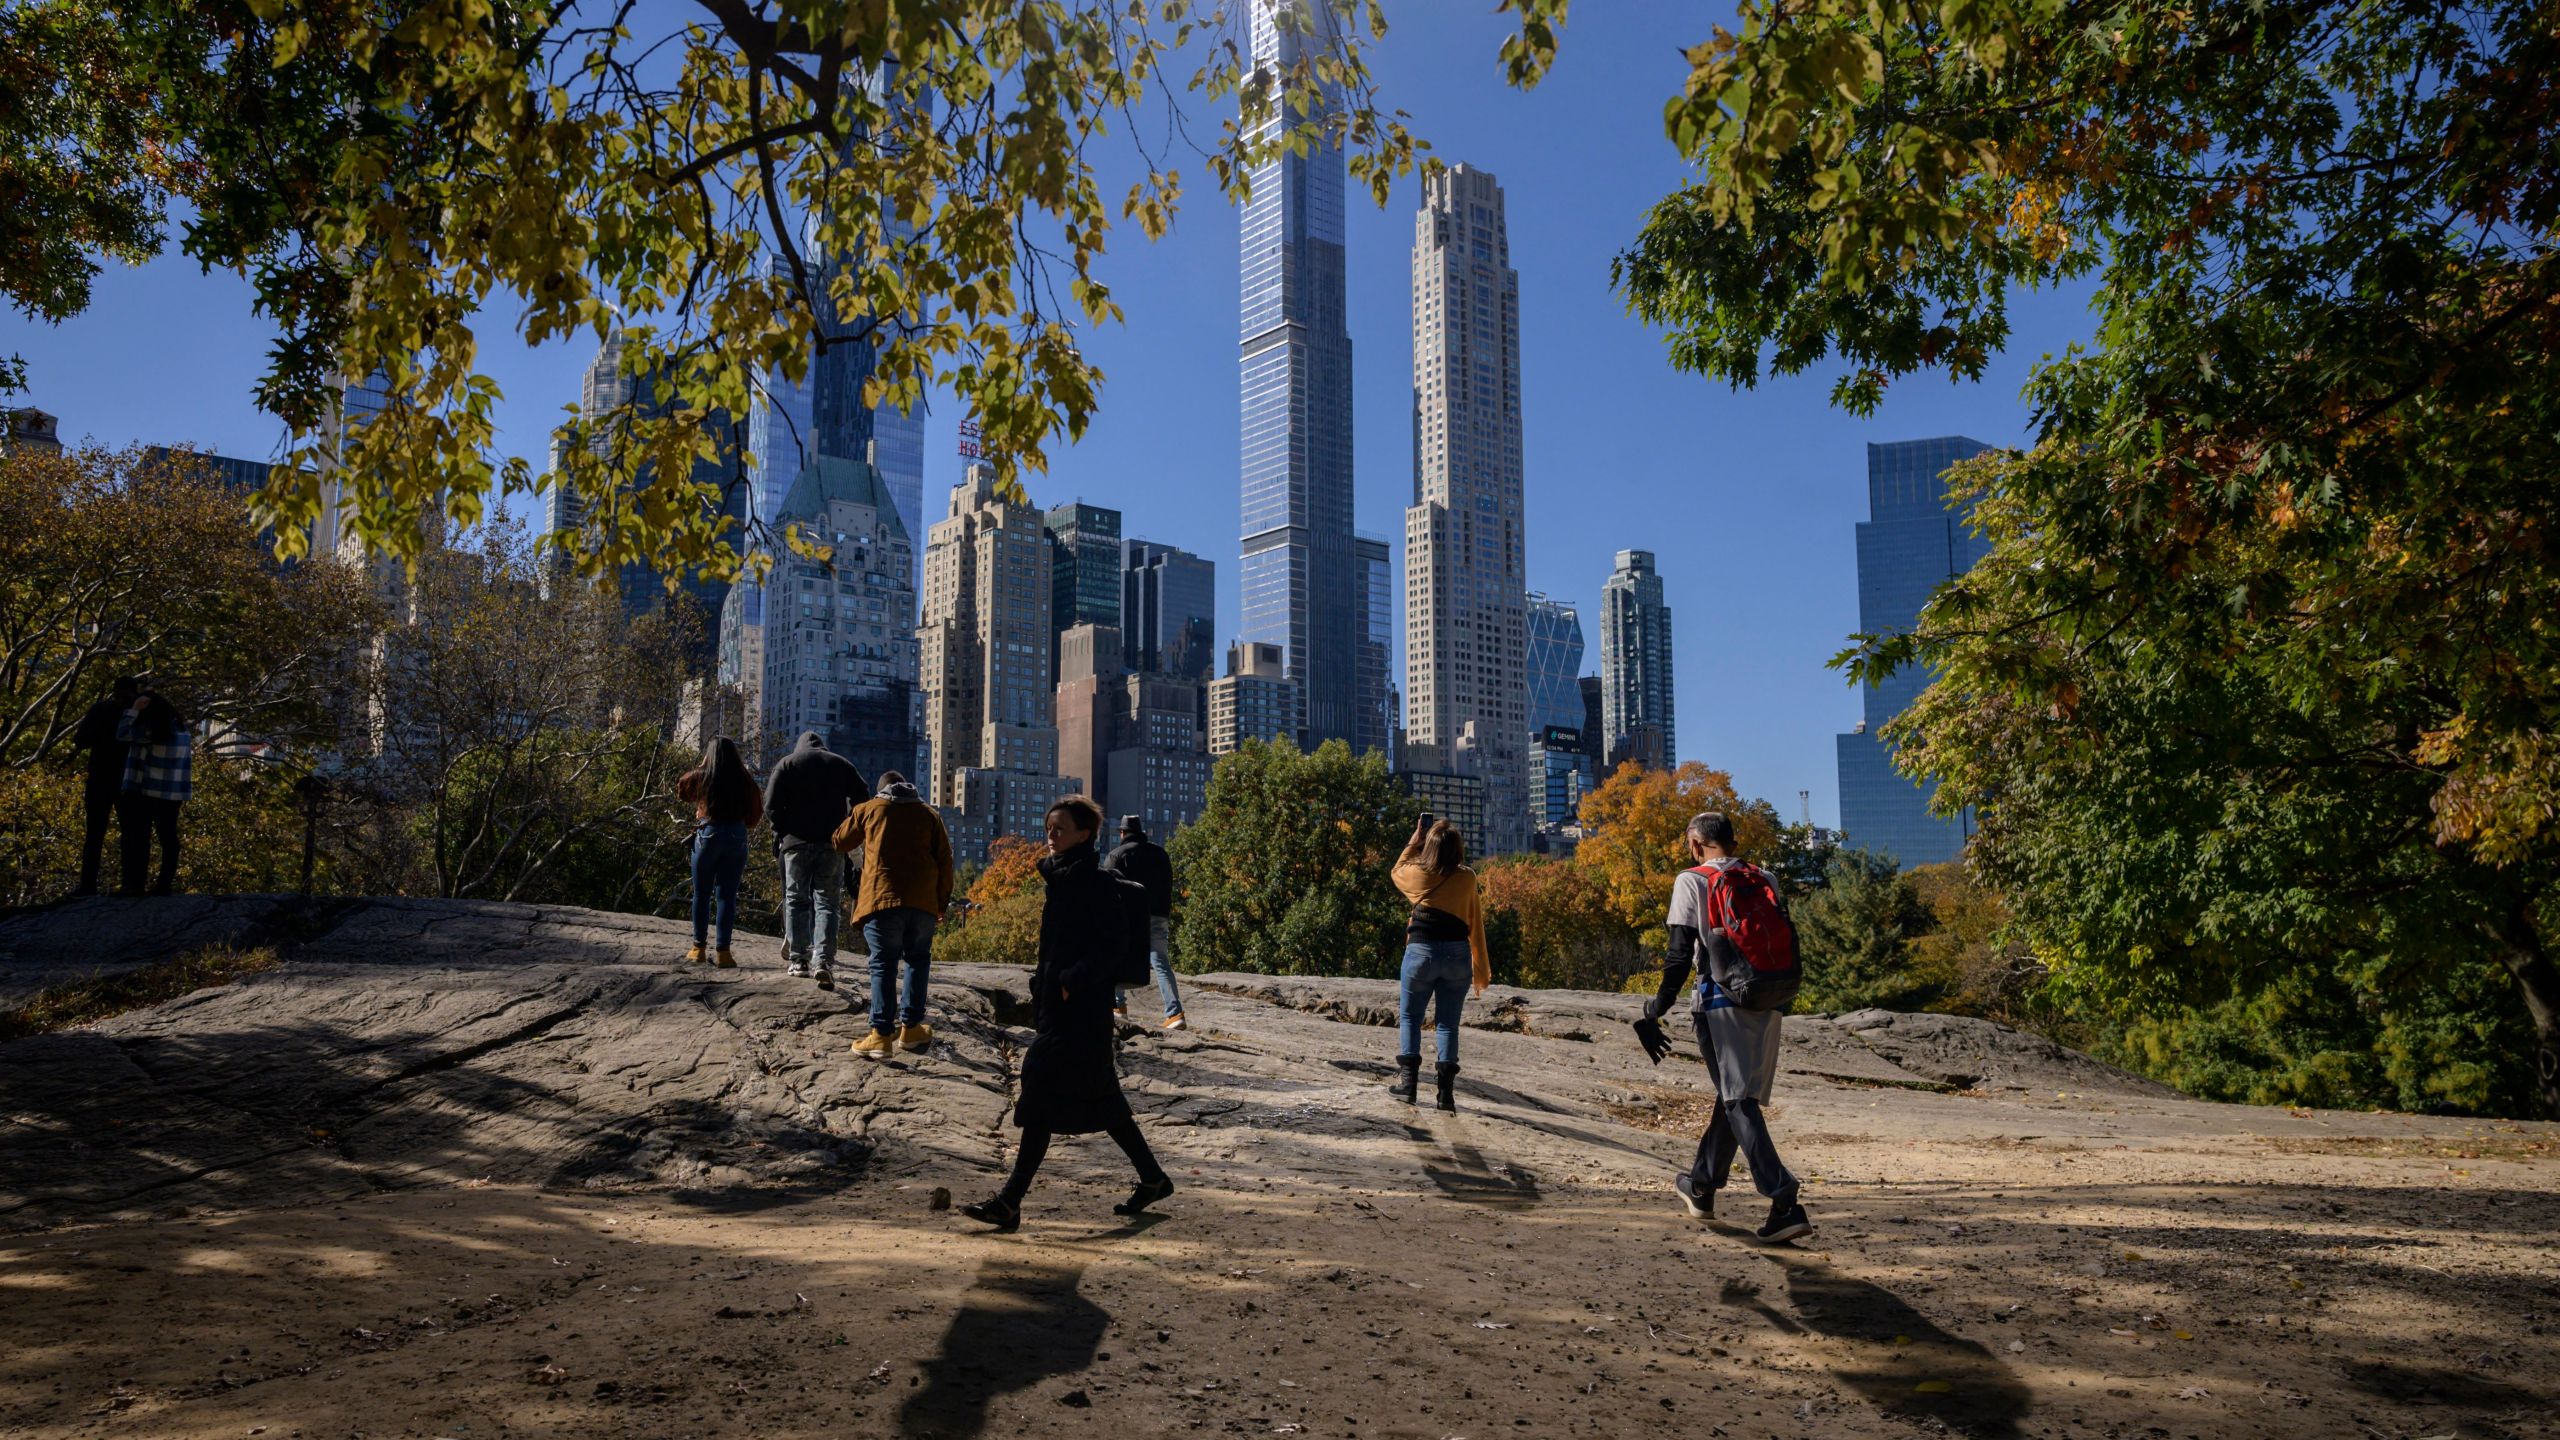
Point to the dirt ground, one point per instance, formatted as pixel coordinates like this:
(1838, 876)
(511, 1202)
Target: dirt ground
(1996, 1260)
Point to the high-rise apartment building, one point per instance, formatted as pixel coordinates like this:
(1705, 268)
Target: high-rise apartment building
(1168, 612)
(1134, 740)
(1466, 639)
(838, 653)
(29, 431)
(1255, 700)
(1299, 579)
(1084, 569)
(985, 662)
(1911, 544)
(1635, 665)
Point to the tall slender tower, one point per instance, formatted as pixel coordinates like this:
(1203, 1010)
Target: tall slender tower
(1466, 642)
(1635, 665)
(1299, 577)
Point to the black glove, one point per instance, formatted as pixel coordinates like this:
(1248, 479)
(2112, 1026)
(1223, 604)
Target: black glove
(1649, 1035)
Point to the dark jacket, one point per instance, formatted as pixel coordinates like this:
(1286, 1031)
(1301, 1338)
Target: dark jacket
(809, 792)
(1070, 1078)
(1145, 862)
(97, 735)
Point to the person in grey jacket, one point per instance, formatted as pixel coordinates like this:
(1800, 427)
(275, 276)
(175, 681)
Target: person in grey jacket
(806, 797)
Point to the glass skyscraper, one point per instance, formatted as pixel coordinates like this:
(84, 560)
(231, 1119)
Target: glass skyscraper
(1168, 612)
(1911, 544)
(1299, 577)
(1555, 665)
(1635, 665)
(1373, 718)
(1084, 569)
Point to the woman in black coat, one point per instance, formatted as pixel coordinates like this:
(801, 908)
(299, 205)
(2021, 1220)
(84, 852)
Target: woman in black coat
(1070, 1080)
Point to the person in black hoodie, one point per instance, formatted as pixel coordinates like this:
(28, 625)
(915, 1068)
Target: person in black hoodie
(806, 797)
(1070, 1084)
(1143, 862)
(97, 735)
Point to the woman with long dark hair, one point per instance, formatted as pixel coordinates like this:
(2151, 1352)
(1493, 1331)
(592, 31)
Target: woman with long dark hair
(1443, 952)
(727, 803)
(159, 776)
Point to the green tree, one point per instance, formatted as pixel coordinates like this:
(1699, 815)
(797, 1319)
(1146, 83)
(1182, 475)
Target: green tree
(393, 176)
(1854, 935)
(1285, 871)
(2259, 685)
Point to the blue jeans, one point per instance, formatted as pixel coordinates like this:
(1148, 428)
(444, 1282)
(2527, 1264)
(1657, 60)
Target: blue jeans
(1436, 974)
(901, 943)
(1160, 960)
(719, 863)
(812, 878)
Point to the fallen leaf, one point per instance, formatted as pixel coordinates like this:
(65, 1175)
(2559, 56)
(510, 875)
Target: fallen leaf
(548, 1375)
(1933, 1387)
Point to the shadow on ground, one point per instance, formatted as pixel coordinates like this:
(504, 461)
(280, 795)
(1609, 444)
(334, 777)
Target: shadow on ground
(1021, 1323)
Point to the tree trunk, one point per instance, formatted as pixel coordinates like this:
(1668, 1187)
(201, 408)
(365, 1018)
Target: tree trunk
(2540, 979)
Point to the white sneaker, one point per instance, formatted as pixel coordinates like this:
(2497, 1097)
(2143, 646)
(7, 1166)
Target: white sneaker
(797, 970)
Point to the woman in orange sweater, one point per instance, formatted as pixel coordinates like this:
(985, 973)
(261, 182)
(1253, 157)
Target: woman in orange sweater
(1443, 951)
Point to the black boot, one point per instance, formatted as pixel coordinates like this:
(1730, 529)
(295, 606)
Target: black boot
(1410, 1080)
(1447, 1073)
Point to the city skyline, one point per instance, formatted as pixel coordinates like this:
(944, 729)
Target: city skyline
(1762, 490)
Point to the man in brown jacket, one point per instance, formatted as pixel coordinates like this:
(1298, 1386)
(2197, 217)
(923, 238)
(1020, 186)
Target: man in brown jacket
(906, 885)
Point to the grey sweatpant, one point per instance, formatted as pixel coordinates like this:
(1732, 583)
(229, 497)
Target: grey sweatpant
(1741, 1050)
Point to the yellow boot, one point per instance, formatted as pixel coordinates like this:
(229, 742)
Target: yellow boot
(915, 1039)
(723, 959)
(694, 956)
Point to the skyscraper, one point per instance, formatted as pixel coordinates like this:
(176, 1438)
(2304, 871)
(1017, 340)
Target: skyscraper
(984, 666)
(1911, 544)
(1555, 664)
(791, 422)
(1168, 612)
(1635, 665)
(1084, 571)
(608, 385)
(1299, 581)
(838, 651)
(1254, 700)
(1466, 600)
(1373, 715)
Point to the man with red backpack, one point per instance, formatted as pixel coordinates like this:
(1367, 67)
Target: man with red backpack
(1727, 923)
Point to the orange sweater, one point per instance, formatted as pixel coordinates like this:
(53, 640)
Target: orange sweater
(1450, 894)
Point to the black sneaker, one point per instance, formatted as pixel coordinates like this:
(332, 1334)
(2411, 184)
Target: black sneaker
(1701, 1204)
(1147, 1193)
(1787, 1221)
(826, 978)
(998, 1211)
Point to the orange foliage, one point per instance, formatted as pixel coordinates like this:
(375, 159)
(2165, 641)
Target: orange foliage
(1633, 827)
(1012, 864)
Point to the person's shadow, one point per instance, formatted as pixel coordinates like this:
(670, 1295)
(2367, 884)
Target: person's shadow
(1021, 1323)
(1898, 1358)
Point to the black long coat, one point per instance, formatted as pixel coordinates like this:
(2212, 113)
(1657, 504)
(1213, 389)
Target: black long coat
(1070, 1079)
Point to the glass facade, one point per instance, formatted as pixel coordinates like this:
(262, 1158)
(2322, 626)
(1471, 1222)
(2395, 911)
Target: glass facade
(1084, 569)
(1373, 718)
(1555, 665)
(1911, 544)
(1299, 579)
(1168, 611)
(1635, 665)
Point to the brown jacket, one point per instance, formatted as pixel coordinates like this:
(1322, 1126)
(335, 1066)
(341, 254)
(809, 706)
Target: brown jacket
(906, 854)
(1450, 894)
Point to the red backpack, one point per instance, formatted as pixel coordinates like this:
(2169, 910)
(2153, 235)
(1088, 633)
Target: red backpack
(1750, 943)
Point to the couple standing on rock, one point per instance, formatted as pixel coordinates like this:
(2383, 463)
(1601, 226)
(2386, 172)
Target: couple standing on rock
(822, 811)
(1726, 923)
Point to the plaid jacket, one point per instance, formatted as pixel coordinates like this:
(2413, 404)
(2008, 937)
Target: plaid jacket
(163, 770)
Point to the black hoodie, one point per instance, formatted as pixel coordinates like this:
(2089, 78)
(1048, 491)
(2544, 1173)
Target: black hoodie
(809, 792)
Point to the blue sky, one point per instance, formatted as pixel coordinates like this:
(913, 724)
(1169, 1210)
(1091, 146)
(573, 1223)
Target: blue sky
(1749, 500)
